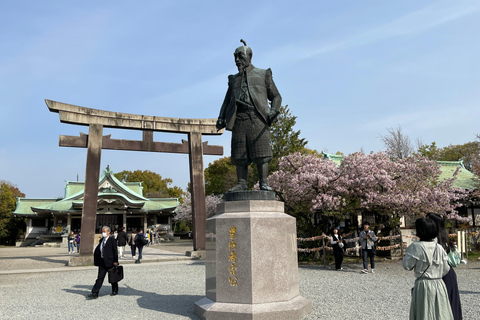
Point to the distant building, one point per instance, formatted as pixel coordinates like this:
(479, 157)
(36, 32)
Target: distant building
(119, 204)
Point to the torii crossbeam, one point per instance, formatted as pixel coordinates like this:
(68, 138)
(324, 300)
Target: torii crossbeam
(95, 142)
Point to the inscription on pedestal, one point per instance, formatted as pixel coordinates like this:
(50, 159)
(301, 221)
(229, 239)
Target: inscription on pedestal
(232, 245)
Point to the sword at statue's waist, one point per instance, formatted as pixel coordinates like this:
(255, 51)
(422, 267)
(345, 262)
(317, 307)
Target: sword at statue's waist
(243, 103)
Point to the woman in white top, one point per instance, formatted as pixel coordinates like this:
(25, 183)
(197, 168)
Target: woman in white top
(429, 261)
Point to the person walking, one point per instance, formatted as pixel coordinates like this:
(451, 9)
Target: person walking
(77, 241)
(450, 278)
(71, 244)
(122, 239)
(105, 257)
(140, 241)
(367, 241)
(148, 236)
(428, 259)
(131, 242)
(337, 243)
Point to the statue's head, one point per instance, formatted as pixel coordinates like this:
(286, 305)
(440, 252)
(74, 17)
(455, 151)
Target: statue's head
(243, 56)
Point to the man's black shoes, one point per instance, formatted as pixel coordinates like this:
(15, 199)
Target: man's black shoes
(114, 293)
(93, 296)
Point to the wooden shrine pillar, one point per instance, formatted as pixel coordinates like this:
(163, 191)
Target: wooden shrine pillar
(197, 186)
(92, 174)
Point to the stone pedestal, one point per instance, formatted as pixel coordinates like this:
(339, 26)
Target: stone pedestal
(251, 264)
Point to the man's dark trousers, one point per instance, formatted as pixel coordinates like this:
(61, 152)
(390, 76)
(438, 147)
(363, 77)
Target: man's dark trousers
(368, 253)
(102, 272)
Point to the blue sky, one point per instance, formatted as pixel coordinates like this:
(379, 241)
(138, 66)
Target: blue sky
(347, 69)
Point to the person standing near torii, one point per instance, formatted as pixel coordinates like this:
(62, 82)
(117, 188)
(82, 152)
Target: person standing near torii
(245, 111)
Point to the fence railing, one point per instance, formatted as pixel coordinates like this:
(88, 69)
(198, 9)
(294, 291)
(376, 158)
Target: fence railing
(472, 242)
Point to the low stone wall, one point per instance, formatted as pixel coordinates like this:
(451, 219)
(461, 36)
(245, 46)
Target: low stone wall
(80, 261)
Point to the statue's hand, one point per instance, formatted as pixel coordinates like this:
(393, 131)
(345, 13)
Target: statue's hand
(272, 116)
(221, 123)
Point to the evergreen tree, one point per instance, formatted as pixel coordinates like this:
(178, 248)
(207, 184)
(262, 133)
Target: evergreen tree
(466, 152)
(220, 176)
(10, 227)
(284, 139)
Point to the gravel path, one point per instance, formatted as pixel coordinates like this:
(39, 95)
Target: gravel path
(168, 290)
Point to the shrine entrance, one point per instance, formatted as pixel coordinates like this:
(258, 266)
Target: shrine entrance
(96, 120)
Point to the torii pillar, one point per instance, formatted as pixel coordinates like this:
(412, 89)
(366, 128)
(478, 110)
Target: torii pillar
(94, 142)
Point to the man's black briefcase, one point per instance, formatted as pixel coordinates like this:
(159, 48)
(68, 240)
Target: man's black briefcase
(115, 274)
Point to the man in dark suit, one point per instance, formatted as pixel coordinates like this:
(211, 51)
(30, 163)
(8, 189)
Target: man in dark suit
(245, 111)
(105, 257)
(122, 239)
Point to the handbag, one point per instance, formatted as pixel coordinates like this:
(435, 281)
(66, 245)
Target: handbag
(452, 258)
(115, 274)
(341, 245)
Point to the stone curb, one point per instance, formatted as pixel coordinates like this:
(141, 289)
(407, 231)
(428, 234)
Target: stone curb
(92, 267)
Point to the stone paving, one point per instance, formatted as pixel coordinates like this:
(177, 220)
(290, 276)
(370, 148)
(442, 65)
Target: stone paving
(23, 259)
(46, 289)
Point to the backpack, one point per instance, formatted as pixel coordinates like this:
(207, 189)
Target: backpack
(140, 239)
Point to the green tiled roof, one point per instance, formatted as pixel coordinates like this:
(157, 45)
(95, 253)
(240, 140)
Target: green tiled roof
(465, 179)
(24, 205)
(128, 194)
(334, 157)
(134, 186)
(73, 187)
(168, 204)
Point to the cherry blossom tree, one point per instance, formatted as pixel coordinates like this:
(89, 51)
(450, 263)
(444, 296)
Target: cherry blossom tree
(184, 210)
(302, 180)
(374, 182)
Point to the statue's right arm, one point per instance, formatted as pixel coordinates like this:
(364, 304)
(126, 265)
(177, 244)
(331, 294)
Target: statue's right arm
(222, 122)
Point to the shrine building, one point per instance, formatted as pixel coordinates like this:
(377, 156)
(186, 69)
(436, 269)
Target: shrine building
(119, 204)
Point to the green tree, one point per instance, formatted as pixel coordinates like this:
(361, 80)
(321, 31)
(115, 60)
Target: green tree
(466, 152)
(431, 151)
(10, 227)
(154, 186)
(220, 175)
(284, 139)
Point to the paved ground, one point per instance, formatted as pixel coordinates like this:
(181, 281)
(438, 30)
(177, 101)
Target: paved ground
(46, 289)
(23, 259)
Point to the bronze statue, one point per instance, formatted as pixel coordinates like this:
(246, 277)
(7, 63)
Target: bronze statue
(246, 112)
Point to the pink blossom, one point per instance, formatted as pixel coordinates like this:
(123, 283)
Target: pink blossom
(403, 187)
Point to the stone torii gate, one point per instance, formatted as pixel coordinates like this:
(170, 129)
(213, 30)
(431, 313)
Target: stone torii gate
(96, 120)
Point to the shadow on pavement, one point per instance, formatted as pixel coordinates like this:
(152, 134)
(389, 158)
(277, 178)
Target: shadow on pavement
(41, 258)
(469, 292)
(172, 304)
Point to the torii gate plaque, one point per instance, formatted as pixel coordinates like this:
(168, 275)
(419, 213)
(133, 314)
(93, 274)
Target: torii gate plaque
(95, 142)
